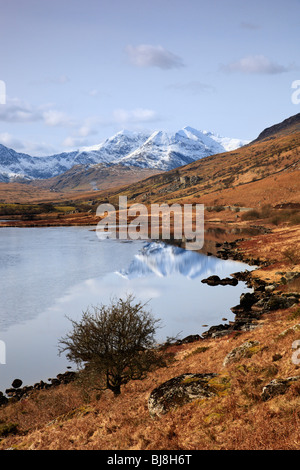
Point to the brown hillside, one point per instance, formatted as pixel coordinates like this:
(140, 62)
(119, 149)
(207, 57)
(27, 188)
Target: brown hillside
(244, 172)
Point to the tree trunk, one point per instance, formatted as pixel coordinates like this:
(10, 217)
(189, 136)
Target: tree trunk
(116, 389)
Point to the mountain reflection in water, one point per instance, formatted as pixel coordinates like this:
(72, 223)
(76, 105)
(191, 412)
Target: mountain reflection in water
(51, 275)
(165, 260)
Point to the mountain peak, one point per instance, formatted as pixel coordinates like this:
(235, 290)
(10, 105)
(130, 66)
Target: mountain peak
(159, 150)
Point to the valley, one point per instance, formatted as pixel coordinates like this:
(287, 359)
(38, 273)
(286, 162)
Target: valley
(251, 201)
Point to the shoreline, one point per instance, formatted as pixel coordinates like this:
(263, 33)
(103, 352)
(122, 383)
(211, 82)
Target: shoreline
(252, 306)
(266, 296)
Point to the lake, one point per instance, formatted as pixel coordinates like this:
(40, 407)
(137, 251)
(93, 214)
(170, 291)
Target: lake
(49, 275)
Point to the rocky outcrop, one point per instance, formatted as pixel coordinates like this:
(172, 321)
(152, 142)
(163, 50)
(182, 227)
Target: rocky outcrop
(3, 399)
(216, 281)
(246, 349)
(17, 383)
(252, 305)
(184, 389)
(277, 387)
(17, 393)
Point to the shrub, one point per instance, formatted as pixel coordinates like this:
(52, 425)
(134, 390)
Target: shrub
(116, 341)
(252, 214)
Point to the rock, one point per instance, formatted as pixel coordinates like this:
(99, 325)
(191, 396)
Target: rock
(216, 281)
(247, 300)
(246, 349)
(17, 383)
(184, 389)
(211, 280)
(277, 302)
(292, 329)
(188, 339)
(229, 282)
(270, 288)
(277, 387)
(291, 276)
(66, 377)
(40, 385)
(276, 357)
(214, 331)
(3, 399)
(55, 382)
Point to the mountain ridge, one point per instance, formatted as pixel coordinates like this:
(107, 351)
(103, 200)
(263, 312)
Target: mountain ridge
(159, 150)
(227, 177)
(289, 125)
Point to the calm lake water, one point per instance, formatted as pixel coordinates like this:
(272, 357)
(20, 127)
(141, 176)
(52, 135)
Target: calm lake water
(49, 274)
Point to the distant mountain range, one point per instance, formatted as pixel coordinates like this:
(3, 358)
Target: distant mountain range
(263, 173)
(157, 151)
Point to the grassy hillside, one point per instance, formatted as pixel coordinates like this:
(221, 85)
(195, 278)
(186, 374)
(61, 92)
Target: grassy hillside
(255, 171)
(252, 197)
(237, 418)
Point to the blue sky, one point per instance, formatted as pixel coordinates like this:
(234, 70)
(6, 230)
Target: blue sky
(77, 72)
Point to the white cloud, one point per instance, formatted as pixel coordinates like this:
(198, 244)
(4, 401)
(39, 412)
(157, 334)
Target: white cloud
(10, 141)
(27, 147)
(70, 143)
(135, 116)
(153, 56)
(56, 118)
(257, 64)
(17, 111)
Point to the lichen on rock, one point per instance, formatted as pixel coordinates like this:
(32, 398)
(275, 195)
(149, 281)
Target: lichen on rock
(184, 389)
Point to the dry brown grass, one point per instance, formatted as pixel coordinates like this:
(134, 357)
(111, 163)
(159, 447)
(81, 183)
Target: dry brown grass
(61, 419)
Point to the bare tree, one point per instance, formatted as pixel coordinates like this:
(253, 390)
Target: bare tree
(116, 340)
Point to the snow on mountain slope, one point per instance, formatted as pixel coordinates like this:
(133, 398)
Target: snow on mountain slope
(160, 150)
(167, 151)
(13, 164)
(116, 147)
(159, 259)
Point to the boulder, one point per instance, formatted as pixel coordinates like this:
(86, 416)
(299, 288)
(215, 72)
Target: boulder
(216, 281)
(216, 330)
(211, 280)
(246, 349)
(17, 383)
(276, 302)
(277, 387)
(228, 281)
(188, 339)
(247, 300)
(184, 389)
(3, 399)
(270, 288)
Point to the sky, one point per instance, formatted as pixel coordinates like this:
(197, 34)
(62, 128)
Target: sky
(75, 72)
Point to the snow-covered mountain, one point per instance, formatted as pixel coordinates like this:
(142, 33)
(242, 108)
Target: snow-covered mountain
(167, 151)
(14, 164)
(159, 150)
(159, 259)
